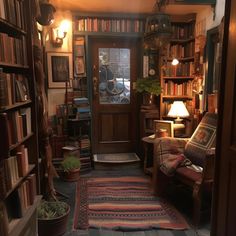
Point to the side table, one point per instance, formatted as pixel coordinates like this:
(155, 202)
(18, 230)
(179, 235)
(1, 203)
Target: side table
(149, 142)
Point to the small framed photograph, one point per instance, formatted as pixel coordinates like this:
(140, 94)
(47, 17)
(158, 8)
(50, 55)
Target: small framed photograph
(79, 66)
(164, 126)
(59, 69)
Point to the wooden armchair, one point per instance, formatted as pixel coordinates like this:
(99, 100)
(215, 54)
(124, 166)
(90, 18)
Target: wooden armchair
(188, 161)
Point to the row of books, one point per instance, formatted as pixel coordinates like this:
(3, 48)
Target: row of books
(183, 31)
(94, 24)
(13, 88)
(12, 168)
(17, 203)
(12, 11)
(173, 89)
(190, 105)
(84, 142)
(13, 50)
(62, 110)
(181, 50)
(85, 163)
(182, 69)
(14, 127)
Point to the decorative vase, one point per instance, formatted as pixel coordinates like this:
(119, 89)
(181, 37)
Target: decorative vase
(148, 99)
(71, 176)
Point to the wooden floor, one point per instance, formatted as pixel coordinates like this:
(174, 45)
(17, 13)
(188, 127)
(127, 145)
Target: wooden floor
(203, 230)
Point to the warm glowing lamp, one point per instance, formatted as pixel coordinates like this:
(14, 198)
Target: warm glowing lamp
(178, 110)
(175, 62)
(59, 33)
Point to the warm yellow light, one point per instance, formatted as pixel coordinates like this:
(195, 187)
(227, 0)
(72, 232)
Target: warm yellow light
(175, 62)
(64, 26)
(178, 109)
(58, 34)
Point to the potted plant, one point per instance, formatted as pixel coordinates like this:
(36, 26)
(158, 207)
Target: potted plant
(52, 218)
(70, 168)
(148, 87)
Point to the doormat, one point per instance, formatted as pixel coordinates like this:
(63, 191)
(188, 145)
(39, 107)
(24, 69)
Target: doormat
(116, 158)
(123, 203)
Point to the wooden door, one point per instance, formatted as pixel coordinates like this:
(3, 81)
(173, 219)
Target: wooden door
(224, 205)
(115, 65)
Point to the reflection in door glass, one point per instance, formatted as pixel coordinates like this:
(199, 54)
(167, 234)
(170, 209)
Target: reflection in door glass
(114, 75)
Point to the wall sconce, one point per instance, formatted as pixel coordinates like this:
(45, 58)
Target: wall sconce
(174, 62)
(59, 33)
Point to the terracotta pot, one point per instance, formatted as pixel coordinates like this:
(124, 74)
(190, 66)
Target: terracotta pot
(53, 227)
(70, 176)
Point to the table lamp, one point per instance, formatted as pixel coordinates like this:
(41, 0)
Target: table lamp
(179, 111)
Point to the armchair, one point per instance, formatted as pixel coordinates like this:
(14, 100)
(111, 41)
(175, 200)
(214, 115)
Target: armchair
(188, 161)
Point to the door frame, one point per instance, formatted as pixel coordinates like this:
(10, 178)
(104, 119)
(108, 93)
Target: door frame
(135, 38)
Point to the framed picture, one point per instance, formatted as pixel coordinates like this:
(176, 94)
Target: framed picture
(79, 66)
(59, 69)
(167, 125)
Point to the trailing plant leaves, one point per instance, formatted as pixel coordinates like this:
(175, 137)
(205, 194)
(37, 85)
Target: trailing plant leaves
(50, 210)
(150, 85)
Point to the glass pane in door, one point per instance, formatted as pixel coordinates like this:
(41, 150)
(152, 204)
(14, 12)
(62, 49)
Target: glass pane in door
(114, 75)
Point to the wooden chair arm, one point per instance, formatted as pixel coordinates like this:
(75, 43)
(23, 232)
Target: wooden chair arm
(208, 169)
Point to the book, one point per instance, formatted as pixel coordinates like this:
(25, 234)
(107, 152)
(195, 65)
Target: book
(3, 219)
(32, 188)
(3, 90)
(5, 137)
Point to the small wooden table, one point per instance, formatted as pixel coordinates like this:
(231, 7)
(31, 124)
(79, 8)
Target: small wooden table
(149, 141)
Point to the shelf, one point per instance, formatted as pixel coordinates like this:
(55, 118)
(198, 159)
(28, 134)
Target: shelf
(31, 167)
(184, 59)
(172, 97)
(20, 142)
(13, 67)
(178, 77)
(17, 105)
(16, 226)
(11, 29)
(117, 34)
(182, 41)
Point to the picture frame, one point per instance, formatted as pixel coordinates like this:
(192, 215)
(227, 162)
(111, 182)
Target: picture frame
(168, 125)
(59, 69)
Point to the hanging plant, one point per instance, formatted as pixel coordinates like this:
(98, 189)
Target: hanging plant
(149, 85)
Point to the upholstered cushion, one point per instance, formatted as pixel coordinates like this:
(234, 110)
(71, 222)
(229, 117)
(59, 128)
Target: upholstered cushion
(190, 174)
(169, 152)
(202, 139)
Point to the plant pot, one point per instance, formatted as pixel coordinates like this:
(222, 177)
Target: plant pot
(71, 176)
(53, 227)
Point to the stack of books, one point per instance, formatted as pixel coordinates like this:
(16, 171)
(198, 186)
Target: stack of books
(83, 108)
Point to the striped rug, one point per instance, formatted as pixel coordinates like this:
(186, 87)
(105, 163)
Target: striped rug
(123, 203)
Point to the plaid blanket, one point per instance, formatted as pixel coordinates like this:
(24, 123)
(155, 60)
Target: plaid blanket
(170, 153)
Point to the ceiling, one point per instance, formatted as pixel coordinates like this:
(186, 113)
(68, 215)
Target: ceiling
(123, 6)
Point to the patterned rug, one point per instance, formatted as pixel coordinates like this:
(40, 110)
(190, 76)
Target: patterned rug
(123, 203)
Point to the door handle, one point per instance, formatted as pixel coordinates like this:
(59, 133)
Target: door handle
(95, 86)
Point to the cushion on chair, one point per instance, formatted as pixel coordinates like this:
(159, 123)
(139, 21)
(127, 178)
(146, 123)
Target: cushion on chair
(202, 139)
(189, 174)
(170, 154)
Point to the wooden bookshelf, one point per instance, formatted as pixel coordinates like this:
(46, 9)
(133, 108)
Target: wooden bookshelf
(19, 137)
(177, 81)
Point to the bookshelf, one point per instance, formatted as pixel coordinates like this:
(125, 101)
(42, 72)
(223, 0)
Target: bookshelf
(18, 140)
(177, 81)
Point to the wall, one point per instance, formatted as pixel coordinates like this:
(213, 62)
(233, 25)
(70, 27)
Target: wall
(206, 20)
(57, 96)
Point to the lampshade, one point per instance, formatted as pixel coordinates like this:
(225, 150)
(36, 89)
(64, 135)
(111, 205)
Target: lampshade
(158, 27)
(178, 109)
